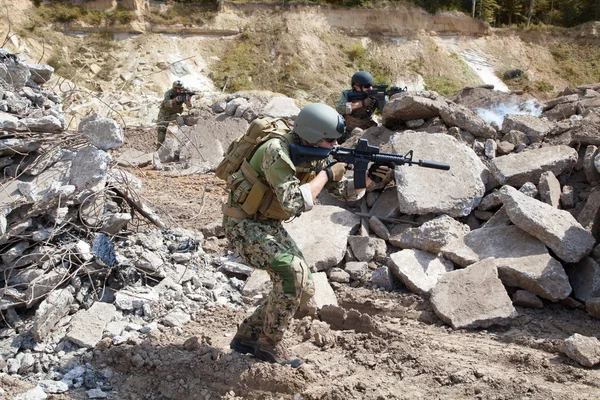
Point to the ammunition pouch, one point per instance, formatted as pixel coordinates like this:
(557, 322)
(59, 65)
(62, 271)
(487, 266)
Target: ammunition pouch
(257, 198)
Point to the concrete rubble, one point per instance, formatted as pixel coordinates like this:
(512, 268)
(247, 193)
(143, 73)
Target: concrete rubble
(514, 223)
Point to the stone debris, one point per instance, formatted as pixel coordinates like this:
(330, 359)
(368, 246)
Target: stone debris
(518, 210)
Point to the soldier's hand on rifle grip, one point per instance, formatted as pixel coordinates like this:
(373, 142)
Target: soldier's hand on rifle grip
(335, 171)
(368, 102)
(179, 99)
(378, 172)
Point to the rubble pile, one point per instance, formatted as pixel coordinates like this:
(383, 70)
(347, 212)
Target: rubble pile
(516, 216)
(73, 269)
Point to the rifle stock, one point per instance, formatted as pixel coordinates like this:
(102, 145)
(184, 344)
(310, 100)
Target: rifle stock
(359, 157)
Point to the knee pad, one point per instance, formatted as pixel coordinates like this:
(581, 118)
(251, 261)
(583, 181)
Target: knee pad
(294, 274)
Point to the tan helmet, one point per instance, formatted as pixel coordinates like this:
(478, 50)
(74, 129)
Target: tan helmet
(178, 84)
(316, 122)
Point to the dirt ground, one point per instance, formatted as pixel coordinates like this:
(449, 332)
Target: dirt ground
(389, 345)
(377, 345)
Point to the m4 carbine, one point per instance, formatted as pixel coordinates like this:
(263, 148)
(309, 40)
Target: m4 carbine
(185, 94)
(379, 92)
(359, 157)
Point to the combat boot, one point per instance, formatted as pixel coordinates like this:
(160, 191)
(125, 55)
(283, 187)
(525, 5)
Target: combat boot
(267, 350)
(243, 344)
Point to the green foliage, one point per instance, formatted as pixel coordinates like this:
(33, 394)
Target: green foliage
(94, 18)
(120, 16)
(356, 52)
(441, 84)
(61, 13)
(577, 64)
(182, 14)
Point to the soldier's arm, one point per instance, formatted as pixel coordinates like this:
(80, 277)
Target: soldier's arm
(280, 173)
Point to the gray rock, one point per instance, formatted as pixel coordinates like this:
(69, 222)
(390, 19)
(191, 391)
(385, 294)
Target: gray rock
(585, 350)
(366, 248)
(176, 319)
(326, 246)
(473, 297)
(431, 191)
(431, 236)
(338, 275)
(516, 169)
(549, 189)
(50, 311)
(87, 326)
(557, 229)
(418, 270)
(585, 278)
(524, 298)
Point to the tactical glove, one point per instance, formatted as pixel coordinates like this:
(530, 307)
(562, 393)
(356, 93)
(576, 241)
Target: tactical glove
(179, 99)
(378, 172)
(335, 171)
(369, 102)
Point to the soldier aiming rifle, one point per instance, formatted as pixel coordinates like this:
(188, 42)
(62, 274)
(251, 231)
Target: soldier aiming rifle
(171, 107)
(358, 104)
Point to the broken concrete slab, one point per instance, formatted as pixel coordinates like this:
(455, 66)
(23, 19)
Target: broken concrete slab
(473, 297)
(87, 326)
(432, 191)
(557, 229)
(326, 246)
(517, 168)
(497, 242)
(418, 270)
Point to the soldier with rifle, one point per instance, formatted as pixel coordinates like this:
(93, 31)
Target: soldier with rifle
(358, 104)
(170, 108)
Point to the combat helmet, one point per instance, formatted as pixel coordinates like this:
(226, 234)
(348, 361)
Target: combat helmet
(362, 78)
(177, 84)
(316, 122)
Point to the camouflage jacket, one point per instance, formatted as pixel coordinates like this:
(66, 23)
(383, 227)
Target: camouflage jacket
(342, 107)
(273, 163)
(170, 105)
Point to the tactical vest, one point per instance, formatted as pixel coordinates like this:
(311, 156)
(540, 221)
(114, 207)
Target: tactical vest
(250, 189)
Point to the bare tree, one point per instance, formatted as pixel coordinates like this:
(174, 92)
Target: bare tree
(530, 12)
(474, 2)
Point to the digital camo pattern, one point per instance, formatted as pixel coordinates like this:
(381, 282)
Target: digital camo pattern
(267, 245)
(287, 185)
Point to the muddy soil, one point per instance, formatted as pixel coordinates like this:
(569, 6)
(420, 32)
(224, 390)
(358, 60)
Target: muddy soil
(376, 345)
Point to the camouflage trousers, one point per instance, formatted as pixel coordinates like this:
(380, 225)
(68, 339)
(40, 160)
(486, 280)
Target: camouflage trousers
(162, 123)
(267, 245)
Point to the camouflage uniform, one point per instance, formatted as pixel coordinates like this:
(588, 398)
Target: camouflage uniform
(265, 244)
(170, 108)
(359, 118)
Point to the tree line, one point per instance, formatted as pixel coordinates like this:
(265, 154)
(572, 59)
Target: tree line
(523, 13)
(498, 13)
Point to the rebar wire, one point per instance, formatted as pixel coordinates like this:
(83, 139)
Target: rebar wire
(8, 33)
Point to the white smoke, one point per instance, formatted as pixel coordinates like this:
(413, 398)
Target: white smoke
(497, 114)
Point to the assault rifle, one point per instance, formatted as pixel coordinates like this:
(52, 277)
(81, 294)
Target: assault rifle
(360, 157)
(379, 92)
(185, 94)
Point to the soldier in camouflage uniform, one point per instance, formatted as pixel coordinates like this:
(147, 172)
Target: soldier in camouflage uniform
(170, 108)
(358, 114)
(263, 242)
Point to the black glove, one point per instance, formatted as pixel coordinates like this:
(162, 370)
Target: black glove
(378, 172)
(179, 99)
(335, 171)
(369, 102)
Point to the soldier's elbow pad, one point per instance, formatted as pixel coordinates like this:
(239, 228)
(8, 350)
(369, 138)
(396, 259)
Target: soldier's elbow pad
(348, 107)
